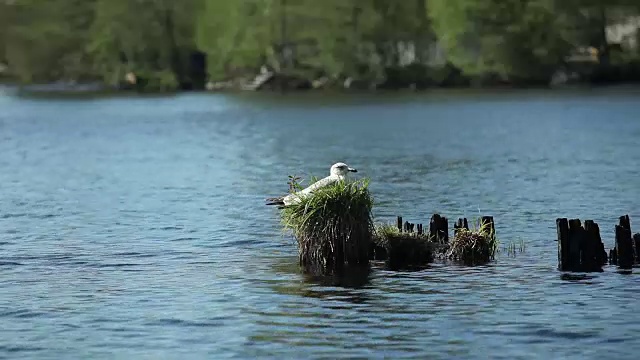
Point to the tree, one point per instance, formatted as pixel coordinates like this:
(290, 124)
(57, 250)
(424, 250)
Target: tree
(46, 40)
(515, 38)
(150, 38)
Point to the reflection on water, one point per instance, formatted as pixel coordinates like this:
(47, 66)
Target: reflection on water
(136, 227)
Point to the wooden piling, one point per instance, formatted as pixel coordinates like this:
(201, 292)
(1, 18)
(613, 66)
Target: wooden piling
(420, 229)
(579, 248)
(613, 256)
(592, 253)
(562, 228)
(400, 223)
(625, 222)
(636, 242)
(624, 243)
(576, 235)
(488, 220)
(593, 233)
(439, 228)
(461, 224)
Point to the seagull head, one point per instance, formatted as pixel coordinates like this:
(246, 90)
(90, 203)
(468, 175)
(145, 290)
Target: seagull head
(341, 169)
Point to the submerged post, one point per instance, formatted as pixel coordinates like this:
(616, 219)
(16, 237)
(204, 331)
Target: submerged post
(576, 241)
(488, 221)
(439, 228)
(461, 224)
(593, 231)
(624, 243)
(636, 242)
(562, 228)
(592, 253)
(613, 256)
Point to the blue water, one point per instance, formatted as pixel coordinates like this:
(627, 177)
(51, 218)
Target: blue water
(136, 227)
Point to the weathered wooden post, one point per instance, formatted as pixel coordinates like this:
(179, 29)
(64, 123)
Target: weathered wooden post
(636, 242)
(613, 256)
(420, 232)
(624, 243)
(400, 223)
(488, 221)
(461, 224)
(625, 222)
(593, 234)
(592, 253)
(576, 234)
(439, 228)
(562, 228)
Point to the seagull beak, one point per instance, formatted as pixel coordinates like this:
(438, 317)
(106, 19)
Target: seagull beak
(353, 170)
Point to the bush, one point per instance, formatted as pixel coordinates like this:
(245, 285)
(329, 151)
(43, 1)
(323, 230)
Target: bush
(333, 227)
(473, 246)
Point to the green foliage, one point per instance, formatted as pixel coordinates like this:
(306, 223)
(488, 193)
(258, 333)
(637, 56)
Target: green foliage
(45, 40)
(333, 226)
(150, 38)
(235, 34)
(517, 38)
(374, 42)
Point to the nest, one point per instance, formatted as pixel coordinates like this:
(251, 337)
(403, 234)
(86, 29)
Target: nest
(402, 250)
(475, 246)
(333, 227)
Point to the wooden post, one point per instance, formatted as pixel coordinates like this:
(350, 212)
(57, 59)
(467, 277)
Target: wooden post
(562, 227)
(420, 229)
(576, 234)
(439, 228)
(400, 223)
(593, 232)
(592, 249)
(444, 229)
(636, 241)
(624, 246)
(461, 224)
(411, 227)
(625, 222)
(613, 256)
(624, 243)
(406, 226)
(492, 227)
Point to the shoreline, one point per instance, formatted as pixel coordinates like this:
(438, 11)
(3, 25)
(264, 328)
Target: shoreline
(93, 90)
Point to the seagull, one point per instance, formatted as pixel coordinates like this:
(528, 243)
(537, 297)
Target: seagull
(338, 172)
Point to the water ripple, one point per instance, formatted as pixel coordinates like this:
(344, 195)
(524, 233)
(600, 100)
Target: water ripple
(137, 227)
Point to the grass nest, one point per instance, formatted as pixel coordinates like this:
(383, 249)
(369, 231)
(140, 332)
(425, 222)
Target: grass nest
(333, 226)
(402, 250)
(473, 246)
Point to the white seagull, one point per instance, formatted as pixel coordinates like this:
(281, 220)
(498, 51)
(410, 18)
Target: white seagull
(338, 172)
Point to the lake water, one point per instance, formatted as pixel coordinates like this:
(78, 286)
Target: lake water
(136, 227)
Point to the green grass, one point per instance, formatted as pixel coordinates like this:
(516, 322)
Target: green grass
(477, 245)
(513, 248)
(333, 226)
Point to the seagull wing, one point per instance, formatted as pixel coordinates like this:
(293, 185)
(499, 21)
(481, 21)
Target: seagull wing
(295, 197)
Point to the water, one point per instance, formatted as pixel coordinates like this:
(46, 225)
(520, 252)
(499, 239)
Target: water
(135, 228)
